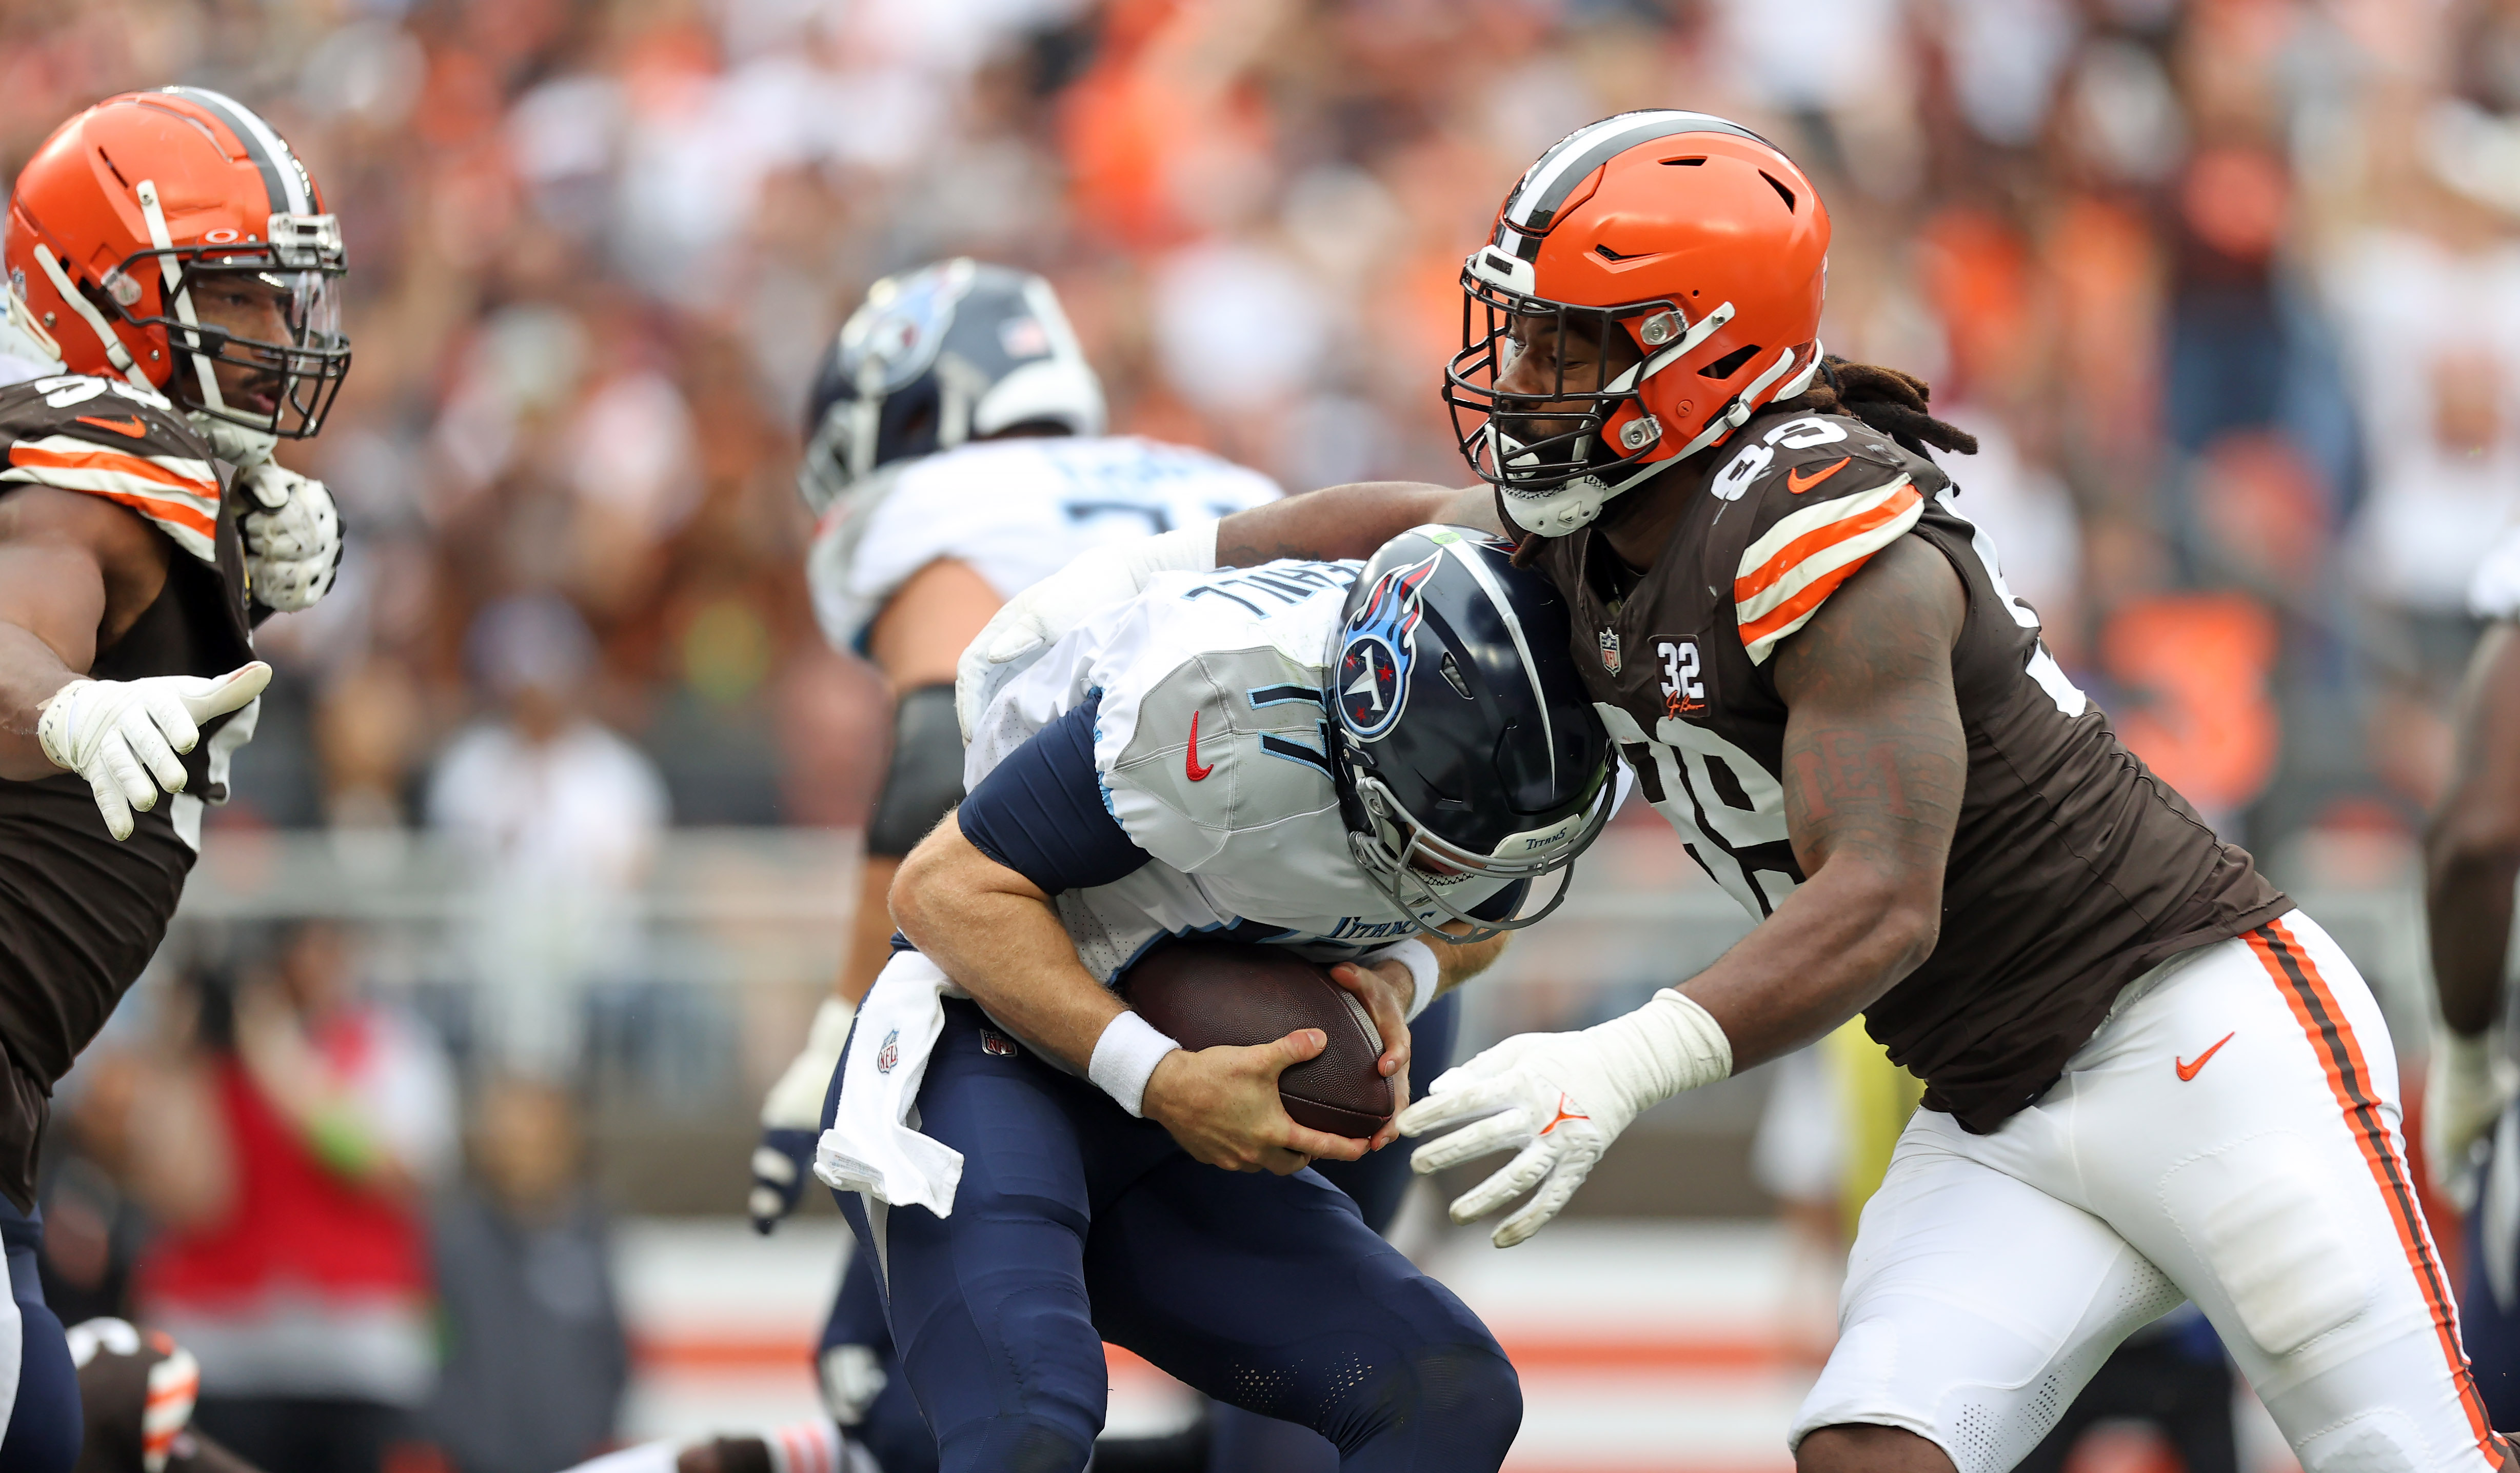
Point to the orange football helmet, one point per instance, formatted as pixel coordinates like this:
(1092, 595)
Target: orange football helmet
(1696, 239)
(128, 206)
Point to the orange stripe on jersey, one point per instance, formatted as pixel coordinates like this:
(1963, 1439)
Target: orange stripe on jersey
(1792, 554)
(1800, 605)
(23, 454)
(2349, 1079)
(159, 509)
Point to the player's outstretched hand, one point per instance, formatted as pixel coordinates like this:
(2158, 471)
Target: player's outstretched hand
(127, 737)
(1557, 1100)
(1042, 614)
(1222, 1105)
(1385, 988)
(1535, 1094)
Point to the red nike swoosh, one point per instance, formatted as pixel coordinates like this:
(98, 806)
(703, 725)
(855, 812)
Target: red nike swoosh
(130, 426)
(2187, 1072)
(1190, 762)
(1798, 484)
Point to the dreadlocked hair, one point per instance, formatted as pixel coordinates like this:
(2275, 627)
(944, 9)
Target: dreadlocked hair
(1889, 400)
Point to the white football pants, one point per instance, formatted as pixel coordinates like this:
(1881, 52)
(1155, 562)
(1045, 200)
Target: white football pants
(2229, 1134)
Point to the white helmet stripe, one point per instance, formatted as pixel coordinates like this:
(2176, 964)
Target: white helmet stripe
(282, 175)
(1573, 158)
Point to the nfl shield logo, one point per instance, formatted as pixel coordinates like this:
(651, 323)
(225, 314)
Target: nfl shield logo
(991, 1043)
(1611, 651)
(889, 1055)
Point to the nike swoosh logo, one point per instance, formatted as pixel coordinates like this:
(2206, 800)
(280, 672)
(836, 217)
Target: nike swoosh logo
(1798, 484)
(1190, 762)
(2187, 1072)
(131, 427)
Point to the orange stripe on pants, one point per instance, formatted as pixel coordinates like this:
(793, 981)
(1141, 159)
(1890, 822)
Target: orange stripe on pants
(2349, 1077)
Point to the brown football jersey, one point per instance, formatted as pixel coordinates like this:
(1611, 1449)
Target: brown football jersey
(80, 914)
(2073, 867)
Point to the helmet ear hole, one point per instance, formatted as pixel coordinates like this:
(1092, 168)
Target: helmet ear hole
(1729, 364)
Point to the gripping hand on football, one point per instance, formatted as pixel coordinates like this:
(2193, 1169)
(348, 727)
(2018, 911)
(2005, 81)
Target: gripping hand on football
(1042, 615)
(127, 737)
(1222, 1105)
(292, 544)
(1557, 1100)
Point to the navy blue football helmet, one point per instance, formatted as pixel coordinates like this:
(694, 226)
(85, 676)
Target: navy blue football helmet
(953, 351)
(1466, 744)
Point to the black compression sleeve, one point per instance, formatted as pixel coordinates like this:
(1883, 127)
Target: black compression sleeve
(1041, 814)
(925, 778)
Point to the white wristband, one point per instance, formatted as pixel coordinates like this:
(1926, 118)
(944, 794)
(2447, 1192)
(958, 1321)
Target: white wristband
(1125, 1058)
(1185, 550)
(1424, 970)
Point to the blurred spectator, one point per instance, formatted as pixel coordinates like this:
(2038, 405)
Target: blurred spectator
(283, 1152)
(536, 1357)
(562, 817)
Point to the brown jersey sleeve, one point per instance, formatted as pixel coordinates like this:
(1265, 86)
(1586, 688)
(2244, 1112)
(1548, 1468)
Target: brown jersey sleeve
(95, 436)
(1822, 494)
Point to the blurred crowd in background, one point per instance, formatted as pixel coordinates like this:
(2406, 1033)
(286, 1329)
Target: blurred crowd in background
(2229, 289)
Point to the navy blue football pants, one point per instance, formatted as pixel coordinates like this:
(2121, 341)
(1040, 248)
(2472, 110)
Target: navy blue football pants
(1076, 1223)
(2489, 1322)
(44, 1421)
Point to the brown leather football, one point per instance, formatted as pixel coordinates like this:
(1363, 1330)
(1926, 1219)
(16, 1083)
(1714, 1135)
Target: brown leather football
(1204, 993)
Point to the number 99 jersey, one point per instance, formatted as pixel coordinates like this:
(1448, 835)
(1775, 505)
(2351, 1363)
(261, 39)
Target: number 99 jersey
(1016, 510)
(2073, 868)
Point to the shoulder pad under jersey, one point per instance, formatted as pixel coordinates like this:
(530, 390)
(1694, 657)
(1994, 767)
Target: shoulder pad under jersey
(1211, 721)
(1810, 496)
(1016, 510)
(128, 445)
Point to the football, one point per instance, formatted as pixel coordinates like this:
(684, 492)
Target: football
(1206, 993)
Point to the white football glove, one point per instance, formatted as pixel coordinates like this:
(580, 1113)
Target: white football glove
(2465, 1089)
(1559, 1099)
(792, 1117)
(1041, 615)
(124, 736)
(293, 546)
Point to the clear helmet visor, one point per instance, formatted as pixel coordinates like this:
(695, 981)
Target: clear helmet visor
(268, 346)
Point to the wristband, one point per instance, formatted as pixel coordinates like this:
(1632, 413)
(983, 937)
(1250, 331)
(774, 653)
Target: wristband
(1425, 971)
(1125, 1058)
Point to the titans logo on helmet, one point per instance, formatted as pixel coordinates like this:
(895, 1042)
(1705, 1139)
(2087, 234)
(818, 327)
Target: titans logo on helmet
(1376, 649)
(895, 336)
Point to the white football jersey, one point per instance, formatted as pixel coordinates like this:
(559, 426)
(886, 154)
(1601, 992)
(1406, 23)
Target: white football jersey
(1016, 510)
(2494, 593)
(1212, 745)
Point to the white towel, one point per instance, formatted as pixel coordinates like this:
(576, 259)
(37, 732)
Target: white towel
(872, 1146)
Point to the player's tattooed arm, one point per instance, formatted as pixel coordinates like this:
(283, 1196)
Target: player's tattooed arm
(1348, 522)
(1874, 763)
(2472, 848)
(74, 570)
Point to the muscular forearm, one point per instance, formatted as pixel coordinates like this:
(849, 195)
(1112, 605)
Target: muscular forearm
(2468, 905)
(1346, 521)
(1836, 943)
(30, 671)
(997, 937)
(2472, 851)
